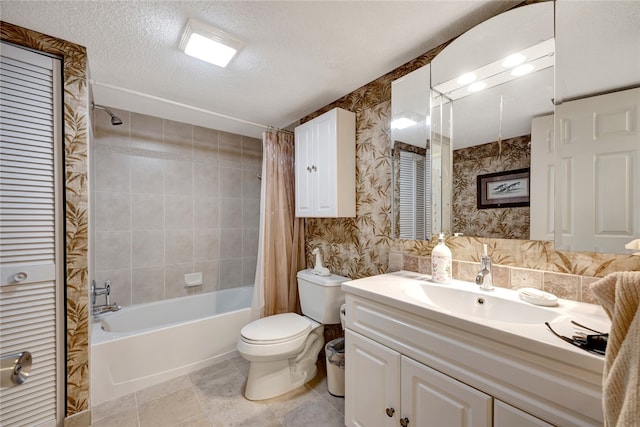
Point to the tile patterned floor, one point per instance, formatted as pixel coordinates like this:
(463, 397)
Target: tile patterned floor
(213, 397)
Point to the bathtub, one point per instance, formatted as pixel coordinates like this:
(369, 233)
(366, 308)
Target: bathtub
(147, 344)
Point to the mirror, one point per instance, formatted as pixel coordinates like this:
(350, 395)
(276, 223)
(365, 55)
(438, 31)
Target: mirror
(411, 155)
(421, 158)
(499, 76)
(494, 127)
(597, 196)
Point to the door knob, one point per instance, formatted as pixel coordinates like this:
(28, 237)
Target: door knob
(15, 368)
(20, 277)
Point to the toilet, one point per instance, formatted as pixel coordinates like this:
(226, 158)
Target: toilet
(282, 349)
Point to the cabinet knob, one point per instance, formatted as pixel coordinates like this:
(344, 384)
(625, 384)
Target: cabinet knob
(390, 412)
(314, 168)
(404, 422)
(308, 168)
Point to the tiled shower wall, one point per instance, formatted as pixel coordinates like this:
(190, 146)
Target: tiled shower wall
(170, 198)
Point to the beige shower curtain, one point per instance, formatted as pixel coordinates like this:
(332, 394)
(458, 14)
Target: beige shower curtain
(281, 245)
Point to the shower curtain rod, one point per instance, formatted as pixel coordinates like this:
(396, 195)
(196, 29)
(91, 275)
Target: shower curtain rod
(180, 104)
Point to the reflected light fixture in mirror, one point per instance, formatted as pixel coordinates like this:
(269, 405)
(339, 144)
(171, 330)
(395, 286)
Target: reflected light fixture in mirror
(538, 57)
(402, 122)
(521, 70)
(513, 60)
(406, 120)
(467, 78)
(477, 86)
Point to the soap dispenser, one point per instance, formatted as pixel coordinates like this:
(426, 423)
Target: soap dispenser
(441, 262)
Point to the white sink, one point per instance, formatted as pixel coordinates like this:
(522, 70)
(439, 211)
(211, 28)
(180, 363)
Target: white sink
(496, 305)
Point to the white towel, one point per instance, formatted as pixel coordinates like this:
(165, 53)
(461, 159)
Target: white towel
(619, 294)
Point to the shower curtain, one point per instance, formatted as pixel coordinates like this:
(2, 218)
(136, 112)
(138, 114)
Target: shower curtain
(281, 244)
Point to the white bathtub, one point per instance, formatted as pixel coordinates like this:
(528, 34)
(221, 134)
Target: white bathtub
(147, 344)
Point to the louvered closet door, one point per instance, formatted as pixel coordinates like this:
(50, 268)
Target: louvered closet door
(30, 286)
(414, 215)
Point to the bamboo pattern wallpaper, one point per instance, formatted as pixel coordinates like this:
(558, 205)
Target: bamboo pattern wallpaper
(359, 247)
(76, 210)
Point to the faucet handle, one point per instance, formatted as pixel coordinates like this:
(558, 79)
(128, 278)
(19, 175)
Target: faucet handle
(479, 278)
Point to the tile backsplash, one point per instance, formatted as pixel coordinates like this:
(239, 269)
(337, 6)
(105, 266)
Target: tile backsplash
(517, 264)
(170, 198)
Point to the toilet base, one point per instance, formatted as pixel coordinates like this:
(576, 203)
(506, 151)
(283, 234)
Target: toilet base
(272, 378)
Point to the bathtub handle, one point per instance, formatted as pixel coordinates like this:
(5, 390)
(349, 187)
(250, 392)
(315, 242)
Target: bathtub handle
(106, 291)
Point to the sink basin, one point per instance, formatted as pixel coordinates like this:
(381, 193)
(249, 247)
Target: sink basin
(499, 305)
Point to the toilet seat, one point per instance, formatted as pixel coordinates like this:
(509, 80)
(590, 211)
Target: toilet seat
(276, 329)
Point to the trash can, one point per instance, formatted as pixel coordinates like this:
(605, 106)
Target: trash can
(334, 351)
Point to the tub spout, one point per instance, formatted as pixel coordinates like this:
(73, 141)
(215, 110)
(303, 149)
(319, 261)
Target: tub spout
(105, 308)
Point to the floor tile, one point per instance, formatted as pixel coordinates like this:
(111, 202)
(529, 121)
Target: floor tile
(162, 389)
(201, 420)
(284, 404)
(316, 413)
(113, 407)
(127, 418)
(214, 397)
(169, 410)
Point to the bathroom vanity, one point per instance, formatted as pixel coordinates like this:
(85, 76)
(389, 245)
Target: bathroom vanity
(422, 354)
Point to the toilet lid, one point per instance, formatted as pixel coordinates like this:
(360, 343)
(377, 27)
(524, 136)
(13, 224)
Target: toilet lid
(275, 329)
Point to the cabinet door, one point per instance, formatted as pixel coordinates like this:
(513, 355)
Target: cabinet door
(304, 172)
(325, 163)
(372, 383)
(507, 416)
(430, 398)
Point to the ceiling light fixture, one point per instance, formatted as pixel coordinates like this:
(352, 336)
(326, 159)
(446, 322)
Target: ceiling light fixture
(208, 43)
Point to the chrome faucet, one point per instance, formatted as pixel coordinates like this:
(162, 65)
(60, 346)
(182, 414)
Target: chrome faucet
(483, 278)
(106, 291)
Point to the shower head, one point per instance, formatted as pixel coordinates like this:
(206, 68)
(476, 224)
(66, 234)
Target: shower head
(115, 120)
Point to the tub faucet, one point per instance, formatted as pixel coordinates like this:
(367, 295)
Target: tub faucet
(106, 291)
(483, 278)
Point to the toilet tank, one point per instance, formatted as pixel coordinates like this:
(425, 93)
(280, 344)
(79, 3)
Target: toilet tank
(321, 296)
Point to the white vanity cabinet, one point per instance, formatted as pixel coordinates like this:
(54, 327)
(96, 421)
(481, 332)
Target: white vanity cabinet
(325, 153)
(384, 388)
(407, 368)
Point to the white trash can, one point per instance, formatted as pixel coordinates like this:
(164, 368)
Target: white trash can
(334, 351)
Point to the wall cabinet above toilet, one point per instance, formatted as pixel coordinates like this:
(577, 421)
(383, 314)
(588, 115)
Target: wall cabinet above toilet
(326, 166)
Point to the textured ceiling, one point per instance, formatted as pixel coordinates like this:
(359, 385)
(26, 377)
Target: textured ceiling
(298, 55)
